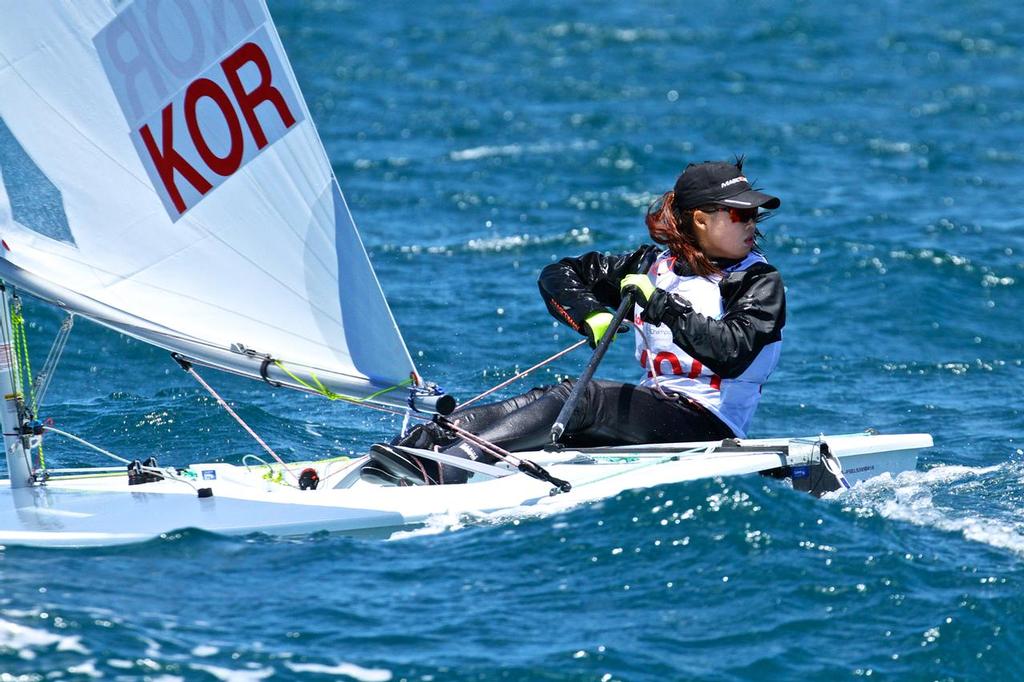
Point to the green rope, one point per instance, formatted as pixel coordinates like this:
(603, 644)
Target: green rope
(23, 366)
(318, 387)
(22, 359)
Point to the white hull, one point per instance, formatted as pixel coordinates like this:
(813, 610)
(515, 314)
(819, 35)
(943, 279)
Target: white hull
(74, 511)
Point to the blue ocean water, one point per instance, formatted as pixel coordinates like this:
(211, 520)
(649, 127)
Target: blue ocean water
(476, 143)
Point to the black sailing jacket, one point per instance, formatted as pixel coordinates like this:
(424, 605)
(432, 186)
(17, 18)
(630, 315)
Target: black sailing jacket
(754, 303)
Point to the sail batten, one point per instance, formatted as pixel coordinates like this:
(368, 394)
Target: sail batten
(201, 209)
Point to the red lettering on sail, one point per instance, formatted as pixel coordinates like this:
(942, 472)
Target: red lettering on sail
(221, 165)
(167, 160)
(219, 121)
(250, 53)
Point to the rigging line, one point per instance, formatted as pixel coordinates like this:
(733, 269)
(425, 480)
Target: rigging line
(258, 459)
(165, 473)
(320, 389)
(9, 354)
(522, 374)
(9, 351)
(185, 365)
(16, 365)
(26, 386)
(42, 382)
(21, 376)
(500, 453)
(87, 444)
(346, 468)
(270, 475)
(25, 366)
(8, 348)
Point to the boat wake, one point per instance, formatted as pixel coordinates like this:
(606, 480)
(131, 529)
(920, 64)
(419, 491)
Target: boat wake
(434, 525)
(979, 503)
(439, 524)
(447, 522)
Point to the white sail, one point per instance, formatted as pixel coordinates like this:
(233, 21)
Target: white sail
(160, 173)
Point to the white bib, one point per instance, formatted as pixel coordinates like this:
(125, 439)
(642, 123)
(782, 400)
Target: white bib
(670, 367)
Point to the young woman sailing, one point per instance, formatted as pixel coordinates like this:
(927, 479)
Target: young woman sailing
(709, 313)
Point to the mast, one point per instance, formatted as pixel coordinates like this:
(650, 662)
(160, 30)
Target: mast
(19, 465)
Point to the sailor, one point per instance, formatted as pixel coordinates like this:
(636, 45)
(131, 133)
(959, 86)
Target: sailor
(709, 313)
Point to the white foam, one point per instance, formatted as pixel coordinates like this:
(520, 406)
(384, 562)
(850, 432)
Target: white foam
(434, 525)
(990, 531)
(474, 153)
(952, 472)
(234, 675)
(24, 639)
(496, 244)
(347, 669)
(485, 151)
(454, 521)
(910, 497)
(88, 668)
(152, 647)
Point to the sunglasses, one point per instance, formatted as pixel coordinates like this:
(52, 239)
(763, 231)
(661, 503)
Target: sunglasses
(736, 215)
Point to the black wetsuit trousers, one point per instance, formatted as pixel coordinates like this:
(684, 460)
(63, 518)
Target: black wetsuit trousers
(609, 413)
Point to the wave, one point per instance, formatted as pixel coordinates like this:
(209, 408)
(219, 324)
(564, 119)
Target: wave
(543, 148)
(29, 642)
(494, 244)
(974, 502)
(883, 258)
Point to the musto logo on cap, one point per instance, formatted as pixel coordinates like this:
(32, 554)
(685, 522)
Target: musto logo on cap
(733, 181)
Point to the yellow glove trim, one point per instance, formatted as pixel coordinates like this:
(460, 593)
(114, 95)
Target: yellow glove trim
(640, 283)
(598, 322)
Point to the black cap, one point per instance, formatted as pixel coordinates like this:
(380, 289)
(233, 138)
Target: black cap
(718, 182)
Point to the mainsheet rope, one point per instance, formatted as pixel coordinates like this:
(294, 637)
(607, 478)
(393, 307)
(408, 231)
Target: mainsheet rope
(318, 387)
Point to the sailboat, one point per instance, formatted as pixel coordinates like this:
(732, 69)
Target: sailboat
(161, 175)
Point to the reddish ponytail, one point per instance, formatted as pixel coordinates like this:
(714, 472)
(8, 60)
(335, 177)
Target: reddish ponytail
(675, 230)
